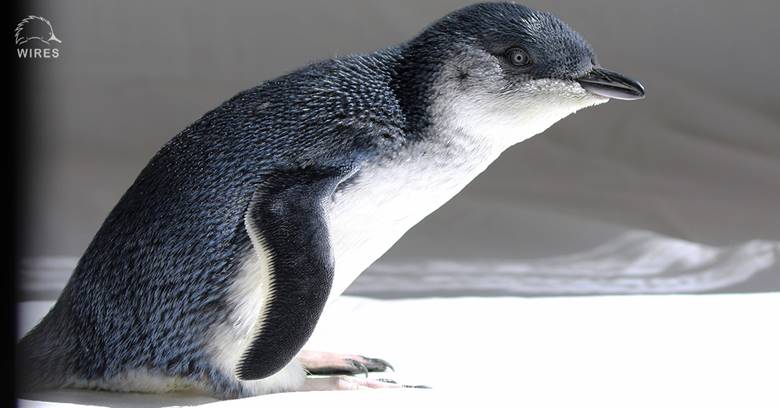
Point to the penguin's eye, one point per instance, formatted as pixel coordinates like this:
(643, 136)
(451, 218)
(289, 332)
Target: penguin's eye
(518, 57)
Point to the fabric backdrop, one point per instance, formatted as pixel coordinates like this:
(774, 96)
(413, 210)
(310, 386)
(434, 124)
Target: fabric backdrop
(676, 193)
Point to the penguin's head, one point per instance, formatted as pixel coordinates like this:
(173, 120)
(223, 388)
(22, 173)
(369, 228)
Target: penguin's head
(505, 67)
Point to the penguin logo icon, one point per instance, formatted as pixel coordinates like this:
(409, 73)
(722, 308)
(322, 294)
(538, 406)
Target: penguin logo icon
(36, 30)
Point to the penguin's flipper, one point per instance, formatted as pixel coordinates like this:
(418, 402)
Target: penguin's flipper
(287, 226)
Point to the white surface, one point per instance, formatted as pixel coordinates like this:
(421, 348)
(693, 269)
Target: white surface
(675, 350)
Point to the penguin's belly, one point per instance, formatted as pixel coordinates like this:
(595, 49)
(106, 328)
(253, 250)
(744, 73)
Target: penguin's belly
(384, 201)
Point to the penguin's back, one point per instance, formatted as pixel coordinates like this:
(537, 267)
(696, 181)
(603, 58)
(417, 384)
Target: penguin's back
(157, 275)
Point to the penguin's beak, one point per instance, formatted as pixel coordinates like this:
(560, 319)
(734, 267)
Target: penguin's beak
(610, 84)
(54, 38)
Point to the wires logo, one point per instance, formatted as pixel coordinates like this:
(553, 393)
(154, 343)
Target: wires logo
(31, 33)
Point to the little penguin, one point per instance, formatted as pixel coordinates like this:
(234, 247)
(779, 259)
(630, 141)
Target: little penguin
(212, 270)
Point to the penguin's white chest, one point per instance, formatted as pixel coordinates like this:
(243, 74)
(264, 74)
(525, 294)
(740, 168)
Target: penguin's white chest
(385, 200)
(389, 197)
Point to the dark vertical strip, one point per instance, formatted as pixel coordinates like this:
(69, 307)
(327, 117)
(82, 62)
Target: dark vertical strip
(18, 108)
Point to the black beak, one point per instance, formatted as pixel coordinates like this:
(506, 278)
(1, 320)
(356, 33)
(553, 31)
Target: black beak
(610, 84)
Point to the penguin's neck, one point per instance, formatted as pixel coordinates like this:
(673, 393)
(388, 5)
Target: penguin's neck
(493, 122)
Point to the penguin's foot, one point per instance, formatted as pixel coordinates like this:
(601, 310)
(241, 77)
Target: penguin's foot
(343, 382)
(324, 363)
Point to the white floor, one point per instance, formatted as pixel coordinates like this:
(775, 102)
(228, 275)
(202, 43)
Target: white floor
(614, 351)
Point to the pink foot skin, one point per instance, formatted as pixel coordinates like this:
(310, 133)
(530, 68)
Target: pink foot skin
(347, 383)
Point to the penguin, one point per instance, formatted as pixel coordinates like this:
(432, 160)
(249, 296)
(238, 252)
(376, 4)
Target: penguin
(214, 267)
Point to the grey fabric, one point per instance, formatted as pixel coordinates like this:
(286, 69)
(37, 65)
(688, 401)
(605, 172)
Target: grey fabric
(697, 161)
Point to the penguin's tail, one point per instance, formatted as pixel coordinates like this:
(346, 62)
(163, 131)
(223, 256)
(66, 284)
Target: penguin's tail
(40, 356)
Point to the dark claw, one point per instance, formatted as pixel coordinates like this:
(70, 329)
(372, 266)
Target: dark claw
(387, 380)
(354, 367)
(377, 364)
(360, 366)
